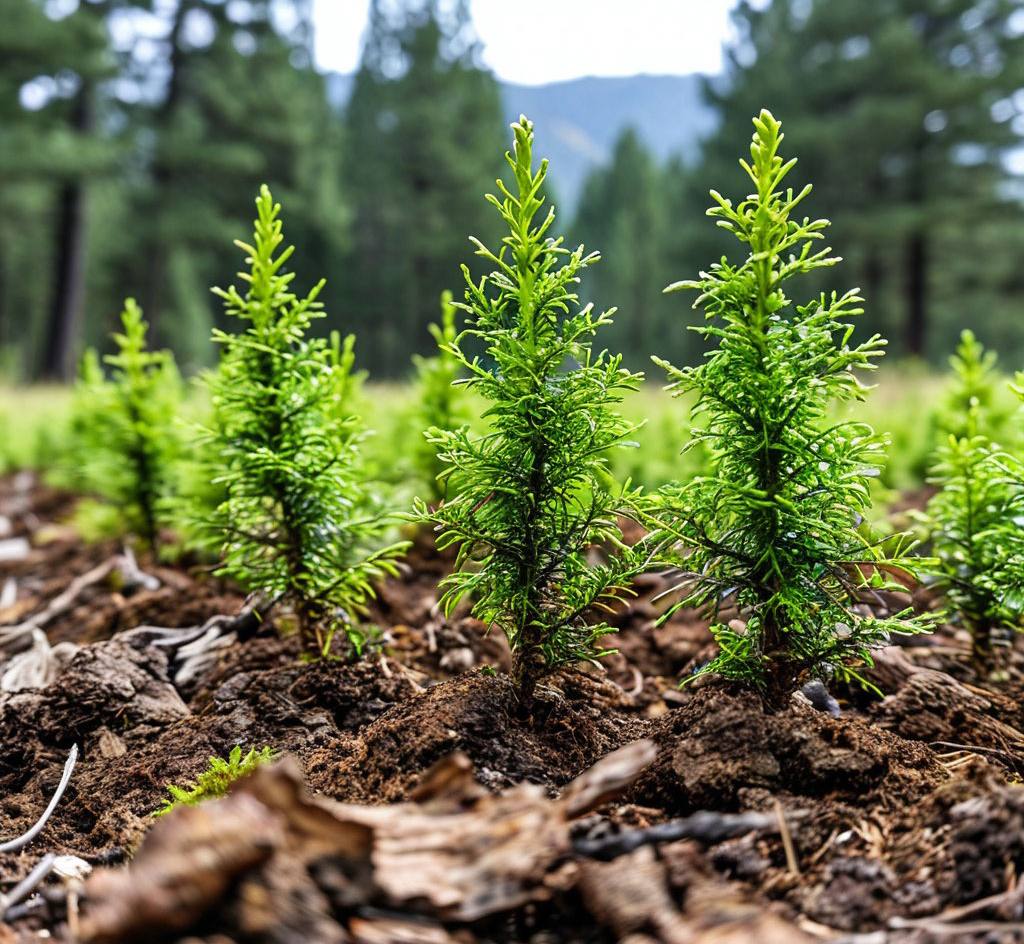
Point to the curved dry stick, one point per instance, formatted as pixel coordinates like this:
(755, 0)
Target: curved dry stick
(194, 645)
(13, 845)
(125, 563)
(28, 884)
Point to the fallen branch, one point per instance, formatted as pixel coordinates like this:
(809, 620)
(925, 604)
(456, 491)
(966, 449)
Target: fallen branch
(1007, 905)
(454, 853)
(941, 929)
(196, 647)
(787, 840)
(271, 857)
(9, 594)
(976, 749)
(13, 845)
(14, 549)
(15, 638)
(37, 666)
(706, 827)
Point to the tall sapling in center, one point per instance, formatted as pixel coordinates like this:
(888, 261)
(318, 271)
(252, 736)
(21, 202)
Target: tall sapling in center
(528, 500)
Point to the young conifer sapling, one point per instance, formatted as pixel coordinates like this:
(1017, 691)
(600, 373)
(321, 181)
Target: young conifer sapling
(529, 499)
(439, 401)
(972, 402)
(295, 521)
(974, 520)
(126, 437)
(771, 533)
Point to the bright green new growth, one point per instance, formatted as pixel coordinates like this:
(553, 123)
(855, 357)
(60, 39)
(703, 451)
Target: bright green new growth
(124, 428)
(217, 779)
(81, 429)
(439, 400)
(972, 404)
(771, 532)
(529, 499)
(975, 534)
(295, 521)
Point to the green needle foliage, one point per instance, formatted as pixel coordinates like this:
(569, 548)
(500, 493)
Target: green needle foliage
(771, 531)
(81, 427)
(217, 779)
(974, 403)
(528, 499)
(125, 432)
(439, 402)
(295, 521)
(972, 520)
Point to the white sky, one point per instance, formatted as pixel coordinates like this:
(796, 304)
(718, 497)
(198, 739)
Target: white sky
(566, 38)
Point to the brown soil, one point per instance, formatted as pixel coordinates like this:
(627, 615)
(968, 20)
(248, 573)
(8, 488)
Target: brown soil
(899, 812)
(723, 751)
(476, 714)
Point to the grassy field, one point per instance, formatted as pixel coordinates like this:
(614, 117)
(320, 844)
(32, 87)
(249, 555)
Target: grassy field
(903, 404)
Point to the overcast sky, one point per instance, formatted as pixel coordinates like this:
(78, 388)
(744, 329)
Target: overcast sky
(572, 38)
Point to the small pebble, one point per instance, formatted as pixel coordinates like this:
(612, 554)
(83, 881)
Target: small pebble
(14, 549)
(816, 693)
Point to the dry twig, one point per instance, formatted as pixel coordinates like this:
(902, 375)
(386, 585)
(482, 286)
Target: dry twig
(13, 845)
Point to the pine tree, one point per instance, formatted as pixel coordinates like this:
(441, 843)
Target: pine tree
(771, 530)
(240, 104)
(905, 111)
(438, 400)
(974, 520)
(529, 499)
(124, 429)
(295, 522)
(423, 137)
(622, 207)
(51, 148)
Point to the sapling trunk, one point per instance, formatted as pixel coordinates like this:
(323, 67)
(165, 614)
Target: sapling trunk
(146, 497)
(981, 646)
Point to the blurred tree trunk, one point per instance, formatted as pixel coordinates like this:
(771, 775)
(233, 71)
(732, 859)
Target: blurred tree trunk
(64, 327)
(916, 268)
(163, 171)
(916, 256)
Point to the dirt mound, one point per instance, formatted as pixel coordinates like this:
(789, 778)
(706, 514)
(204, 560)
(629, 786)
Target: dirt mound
(720, 750)
(308, 695)
(108, 684)
(137, 735)
(476, 714)
(900, 819)
(935, 708)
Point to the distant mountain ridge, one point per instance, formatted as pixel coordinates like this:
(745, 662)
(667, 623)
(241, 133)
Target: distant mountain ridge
(577, 121)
